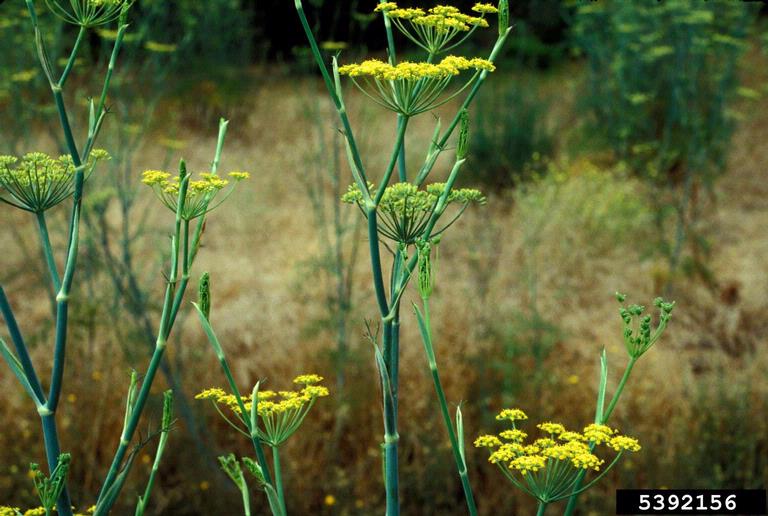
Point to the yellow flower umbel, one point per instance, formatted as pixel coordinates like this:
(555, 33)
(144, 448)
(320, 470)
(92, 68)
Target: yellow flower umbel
(281, 413)
(411, 88)
(435, 29)
(88, 13)
(548, 468)
(406, 210)
(38, 182)
(200, 192)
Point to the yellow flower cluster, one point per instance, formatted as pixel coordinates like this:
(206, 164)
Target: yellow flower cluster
(442, 18)
(409, 71)
(281, 412)
(200, 192)
(509, 449)
(511, 415)
(288, 400)
(37, 511)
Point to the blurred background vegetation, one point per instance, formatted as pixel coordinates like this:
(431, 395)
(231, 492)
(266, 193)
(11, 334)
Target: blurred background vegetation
(622, 148)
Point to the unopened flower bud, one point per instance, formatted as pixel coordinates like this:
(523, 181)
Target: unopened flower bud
(463, 146)
(426, 278)
(503, 16)
(204, 294)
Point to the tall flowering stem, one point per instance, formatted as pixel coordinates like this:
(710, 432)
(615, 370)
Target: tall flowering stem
(184, 246)
(403, 211)
(78, 162)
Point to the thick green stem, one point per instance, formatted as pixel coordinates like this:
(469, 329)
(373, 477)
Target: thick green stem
(21, 348)
(378, 276)
(52, 452)
(542, 509)
(278, 478)
(573, 500)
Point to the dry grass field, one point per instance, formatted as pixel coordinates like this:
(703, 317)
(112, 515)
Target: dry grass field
(523, 307)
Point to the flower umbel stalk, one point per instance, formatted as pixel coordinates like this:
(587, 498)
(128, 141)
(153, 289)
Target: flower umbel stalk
(408, 89)
(423, 318)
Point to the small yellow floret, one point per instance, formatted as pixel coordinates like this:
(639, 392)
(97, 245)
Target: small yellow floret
(622, 442)
(598, 433)
(487, 441)
(512, 415)
(485, 8)
(308, 379)
(551, 428)
(239, 176)
(513, 435)
(528, 463)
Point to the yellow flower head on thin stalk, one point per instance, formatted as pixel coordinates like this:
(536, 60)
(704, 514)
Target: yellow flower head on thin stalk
(88, 13)
(280, 413)
(549, 466)
(200, 193)
(406, 210)
(411, 88)
(435, 29)
(37, 182)
(15, 511)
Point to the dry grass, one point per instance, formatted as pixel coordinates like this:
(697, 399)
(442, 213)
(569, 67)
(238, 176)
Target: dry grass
(686, 397)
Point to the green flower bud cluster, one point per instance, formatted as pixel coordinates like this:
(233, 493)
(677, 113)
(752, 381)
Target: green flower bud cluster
(407, 210)
(639, 333)
(38, 182)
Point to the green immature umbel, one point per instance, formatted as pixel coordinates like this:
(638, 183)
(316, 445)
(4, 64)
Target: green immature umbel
(49, 489)
(37, 182)
(639, 335)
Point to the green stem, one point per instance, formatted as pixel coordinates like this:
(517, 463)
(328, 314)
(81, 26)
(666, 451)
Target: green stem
(66, 127)
(47, 250)
(157, 355)
(21, 348)
(72, 57)
(257, 446)
(378, 277)
(425, 170)
(402, 126)
(52, 453)
(619, 390)
(542, 509)
(455, 445)
(278, 478)
(329, 83)
(391, 438)
(573, 500)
